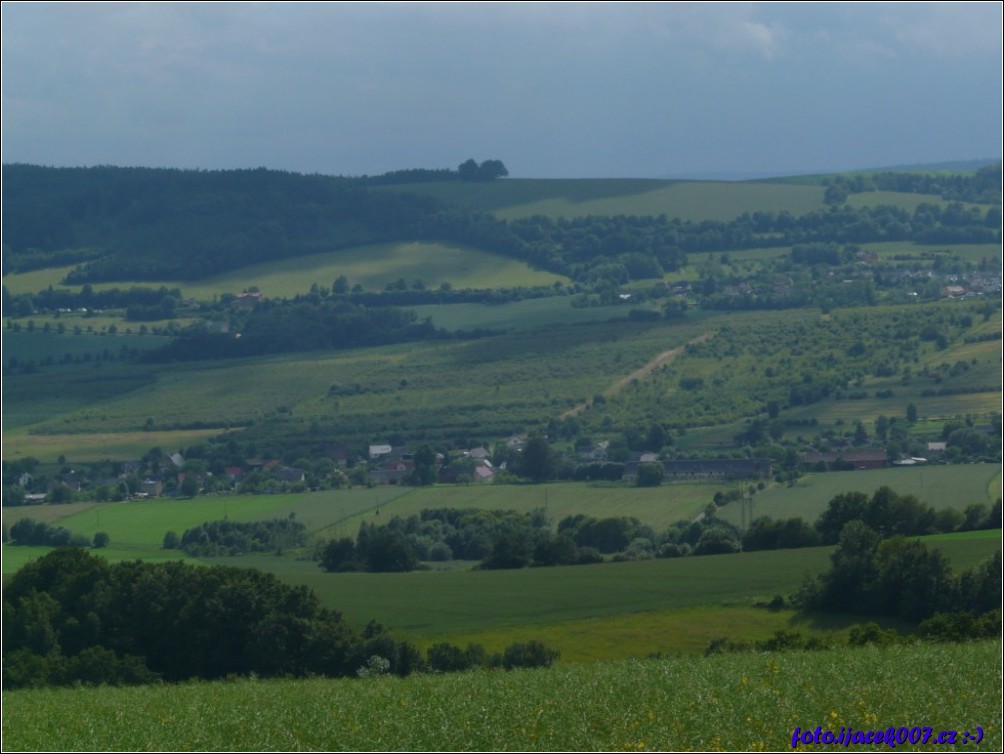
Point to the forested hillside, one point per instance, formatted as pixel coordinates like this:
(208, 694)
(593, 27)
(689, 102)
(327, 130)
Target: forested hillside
(149, 224)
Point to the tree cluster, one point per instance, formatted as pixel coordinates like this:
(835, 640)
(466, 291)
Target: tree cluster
(497, 538)
(984, 186)
(489, 170)
(225, 538)
(28, 531)
(71, 617)
(900, 578)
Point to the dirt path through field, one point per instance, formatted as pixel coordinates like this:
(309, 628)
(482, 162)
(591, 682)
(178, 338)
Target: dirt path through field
(666, 357)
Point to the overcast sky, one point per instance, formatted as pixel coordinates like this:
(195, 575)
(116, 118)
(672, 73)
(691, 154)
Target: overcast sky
(553, 90)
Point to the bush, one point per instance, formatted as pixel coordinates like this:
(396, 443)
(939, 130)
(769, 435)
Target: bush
(716, 541)
(650, 474)
(532, 654)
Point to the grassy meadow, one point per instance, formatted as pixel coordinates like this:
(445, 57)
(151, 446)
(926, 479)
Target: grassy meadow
(746, 702)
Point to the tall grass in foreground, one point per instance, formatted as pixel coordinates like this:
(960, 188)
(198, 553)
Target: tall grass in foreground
(727, 702)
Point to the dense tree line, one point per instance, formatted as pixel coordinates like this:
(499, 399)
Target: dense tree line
(53, 299)
(885, 512)
(282, 327)
(219, 538)
(507, 539)
(983, 186)
(28, 531)
(498, 539)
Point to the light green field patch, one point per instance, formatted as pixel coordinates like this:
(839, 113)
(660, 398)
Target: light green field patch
(944, 540)
(638, 635)
(36, 280)
(142, 524)
(375, 266)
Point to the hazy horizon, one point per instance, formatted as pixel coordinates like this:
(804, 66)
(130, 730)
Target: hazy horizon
(661, 90)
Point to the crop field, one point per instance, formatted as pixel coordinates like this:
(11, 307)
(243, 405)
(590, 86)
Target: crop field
(937, 486)
(426, 605)
(636, 635)
(745, 702)
(688, 200)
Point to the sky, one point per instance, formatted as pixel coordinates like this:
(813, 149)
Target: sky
(563, 90)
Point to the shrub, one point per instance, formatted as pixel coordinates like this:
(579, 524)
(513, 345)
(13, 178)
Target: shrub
(532, 654)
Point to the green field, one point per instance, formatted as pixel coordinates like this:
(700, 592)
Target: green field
(747, 702)
(585, 610)
(937, 486)
(688, 200)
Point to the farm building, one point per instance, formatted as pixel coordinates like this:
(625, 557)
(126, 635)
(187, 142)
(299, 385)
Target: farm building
(710, 468)
(848, 459)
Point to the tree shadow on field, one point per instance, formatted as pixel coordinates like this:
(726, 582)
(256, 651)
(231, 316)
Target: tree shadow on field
(833, 622)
